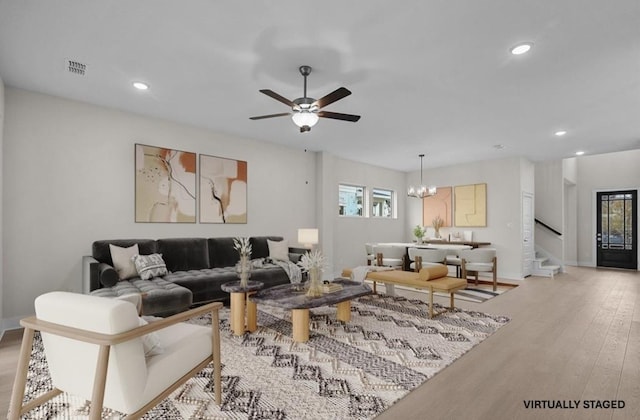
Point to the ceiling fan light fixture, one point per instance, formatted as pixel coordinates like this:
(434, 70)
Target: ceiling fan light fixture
(306, 110)
(304, 118)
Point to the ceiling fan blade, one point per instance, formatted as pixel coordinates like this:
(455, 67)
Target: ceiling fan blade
(332, 97)
(261, 117)
(338, 116)
(277, 97)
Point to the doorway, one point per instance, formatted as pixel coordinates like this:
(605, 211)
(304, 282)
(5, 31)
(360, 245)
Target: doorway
(616, 229)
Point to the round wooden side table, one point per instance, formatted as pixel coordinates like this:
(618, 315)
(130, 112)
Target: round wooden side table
(239, 301)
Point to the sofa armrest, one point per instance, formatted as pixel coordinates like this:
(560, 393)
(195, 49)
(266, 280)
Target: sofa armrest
(295, 254)
(96, 275)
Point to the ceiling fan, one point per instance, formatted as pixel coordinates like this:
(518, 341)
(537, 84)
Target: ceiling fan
(306, 111)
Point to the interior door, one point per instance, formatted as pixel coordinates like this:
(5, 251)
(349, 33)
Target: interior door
(616, 229)
(528, 243)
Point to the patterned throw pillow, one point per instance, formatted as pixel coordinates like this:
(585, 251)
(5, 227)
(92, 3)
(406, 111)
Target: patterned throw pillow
(149, 266)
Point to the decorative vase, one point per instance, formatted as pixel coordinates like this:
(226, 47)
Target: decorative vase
(315, 284)
(437, 233)
(244, 270)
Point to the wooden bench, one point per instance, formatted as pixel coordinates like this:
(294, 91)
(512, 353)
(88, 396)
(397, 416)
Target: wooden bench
(432, 278)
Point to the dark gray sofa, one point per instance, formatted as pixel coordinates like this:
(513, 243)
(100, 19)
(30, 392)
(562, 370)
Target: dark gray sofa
(197, 269)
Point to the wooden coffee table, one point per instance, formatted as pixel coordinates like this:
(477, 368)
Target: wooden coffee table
(240, 301)
(285, 296)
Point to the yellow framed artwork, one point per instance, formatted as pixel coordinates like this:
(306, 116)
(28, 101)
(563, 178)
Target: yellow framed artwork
(470, 208)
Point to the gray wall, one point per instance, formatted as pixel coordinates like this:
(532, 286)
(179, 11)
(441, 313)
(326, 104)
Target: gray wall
(2, 328)
(72, 182)
(549, 206)
(344, 237)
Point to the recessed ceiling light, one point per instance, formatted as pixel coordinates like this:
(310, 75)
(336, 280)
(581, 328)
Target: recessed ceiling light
(579, 153)
(560, 133)
(140, 85)
(521, 48)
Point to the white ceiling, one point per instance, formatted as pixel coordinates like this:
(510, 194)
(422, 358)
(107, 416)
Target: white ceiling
(432, 77)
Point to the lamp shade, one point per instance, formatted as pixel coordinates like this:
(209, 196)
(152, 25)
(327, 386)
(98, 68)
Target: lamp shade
(305, 118)
(308, 237)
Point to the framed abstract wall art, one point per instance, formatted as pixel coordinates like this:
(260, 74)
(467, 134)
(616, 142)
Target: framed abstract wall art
(437, 205)
(223, 190)
(470, 205)
(165, 185)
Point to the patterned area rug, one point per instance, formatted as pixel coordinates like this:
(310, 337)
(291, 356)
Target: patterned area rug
(354, 370)
(478, 294)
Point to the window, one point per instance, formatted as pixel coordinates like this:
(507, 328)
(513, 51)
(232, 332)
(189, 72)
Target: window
(382, 205)
(351, 200)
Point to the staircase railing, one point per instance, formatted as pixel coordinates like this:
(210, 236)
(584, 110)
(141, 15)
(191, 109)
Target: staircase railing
(541, 223)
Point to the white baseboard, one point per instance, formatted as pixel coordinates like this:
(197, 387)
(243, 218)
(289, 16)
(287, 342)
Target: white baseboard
(586, 264)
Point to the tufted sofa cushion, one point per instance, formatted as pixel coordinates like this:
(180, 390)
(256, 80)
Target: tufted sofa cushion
(204, 284)
(159, 296)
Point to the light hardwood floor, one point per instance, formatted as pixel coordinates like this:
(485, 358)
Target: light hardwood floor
(574, 337)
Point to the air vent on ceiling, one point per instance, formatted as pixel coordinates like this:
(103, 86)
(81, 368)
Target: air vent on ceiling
(76, 67)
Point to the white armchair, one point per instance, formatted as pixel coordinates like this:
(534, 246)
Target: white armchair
(479, 260)
(94, 349)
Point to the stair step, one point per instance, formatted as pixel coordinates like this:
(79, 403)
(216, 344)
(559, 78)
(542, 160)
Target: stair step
(546, 270)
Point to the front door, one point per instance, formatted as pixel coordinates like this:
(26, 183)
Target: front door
(617, 233)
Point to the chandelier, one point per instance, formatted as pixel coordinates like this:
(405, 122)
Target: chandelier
(421, 191)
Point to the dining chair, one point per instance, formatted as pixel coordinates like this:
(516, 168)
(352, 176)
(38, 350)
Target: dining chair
(389, 255)
(479, 260)
(422, 257)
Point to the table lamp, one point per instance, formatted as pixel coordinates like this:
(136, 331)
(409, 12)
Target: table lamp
(308, 237)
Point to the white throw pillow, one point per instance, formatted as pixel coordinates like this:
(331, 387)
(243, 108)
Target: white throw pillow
(150, 266)
(122, 262)
(278, 250)
(150, 342)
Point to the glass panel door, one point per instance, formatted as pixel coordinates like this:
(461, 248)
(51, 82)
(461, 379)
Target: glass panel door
(616, 236)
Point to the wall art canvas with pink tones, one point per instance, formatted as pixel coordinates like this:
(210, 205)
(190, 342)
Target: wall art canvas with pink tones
(165, 185)
(223, 190)
(437, 205)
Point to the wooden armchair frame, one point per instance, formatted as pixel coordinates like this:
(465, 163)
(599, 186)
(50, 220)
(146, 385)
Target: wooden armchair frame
(105, 341)
(493, 271)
